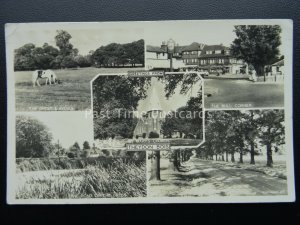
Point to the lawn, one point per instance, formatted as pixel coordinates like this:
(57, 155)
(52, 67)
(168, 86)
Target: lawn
(73, 93)
(229, 93)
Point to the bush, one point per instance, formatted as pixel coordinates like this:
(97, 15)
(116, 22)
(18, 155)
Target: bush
(153, 134)
(68, 62)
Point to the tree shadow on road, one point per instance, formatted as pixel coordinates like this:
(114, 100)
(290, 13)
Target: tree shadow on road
(190, 177)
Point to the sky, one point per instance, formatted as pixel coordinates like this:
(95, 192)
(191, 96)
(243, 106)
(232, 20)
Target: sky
(67, 127)
(90, 36)
(84, 37)
(209, 32)
(174, 102)
(206, 33)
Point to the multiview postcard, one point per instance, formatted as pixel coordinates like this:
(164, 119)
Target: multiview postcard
(150, 112)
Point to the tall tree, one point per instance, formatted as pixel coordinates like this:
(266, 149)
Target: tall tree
(251, 128)
(155, 165)
(86, 145)
(24, 60)
(63, 42)
(272, 131)
(257, 45)
(115, 99)
(33, 139)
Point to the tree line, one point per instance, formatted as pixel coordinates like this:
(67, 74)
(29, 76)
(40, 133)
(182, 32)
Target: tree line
(64, 55)
(34, 140)
(230, 132)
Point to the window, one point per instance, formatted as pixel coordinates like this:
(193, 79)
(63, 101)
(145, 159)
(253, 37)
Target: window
(218, 51)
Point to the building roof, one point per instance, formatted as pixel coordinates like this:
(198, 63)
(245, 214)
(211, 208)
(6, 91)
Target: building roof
(153, 102)
(213, 48)
(179, 49)
(195, 46)
(279, 63)
(150, 48)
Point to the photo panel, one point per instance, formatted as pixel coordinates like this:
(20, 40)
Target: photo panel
(244, 154)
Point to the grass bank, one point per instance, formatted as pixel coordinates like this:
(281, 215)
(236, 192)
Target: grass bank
(118, 179)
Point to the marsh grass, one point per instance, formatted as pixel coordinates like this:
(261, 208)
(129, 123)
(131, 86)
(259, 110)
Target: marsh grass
(118, 179)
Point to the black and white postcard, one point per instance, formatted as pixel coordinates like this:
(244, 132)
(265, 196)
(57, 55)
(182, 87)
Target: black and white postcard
(150, 112)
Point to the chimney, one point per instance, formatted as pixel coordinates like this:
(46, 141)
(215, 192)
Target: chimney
(164, 46)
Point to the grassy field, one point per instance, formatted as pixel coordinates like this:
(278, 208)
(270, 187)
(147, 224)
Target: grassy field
(230, 93)
(118, 180)
(73, 93)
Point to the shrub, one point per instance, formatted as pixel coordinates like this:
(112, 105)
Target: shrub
(153, 134)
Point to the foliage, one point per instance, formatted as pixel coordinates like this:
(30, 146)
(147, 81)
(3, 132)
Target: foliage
(115, 99)
(186, 83)
(114, 54)
(272, 131)
(62, 40)
(238, 131)
(153, 134)
(257, 45)
(30, 57)
(185, 120)
(86, 145)
(33, 138)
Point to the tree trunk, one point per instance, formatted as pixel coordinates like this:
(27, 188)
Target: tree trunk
(182, 155)
(178, 159)
(241, 156)
(223, 157)
(252, 152)
(226, 156)
(216, 157)
(269, 156)
(155, 170)
(232, 157)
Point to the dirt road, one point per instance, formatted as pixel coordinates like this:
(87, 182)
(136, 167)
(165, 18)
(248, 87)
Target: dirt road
(207, 178)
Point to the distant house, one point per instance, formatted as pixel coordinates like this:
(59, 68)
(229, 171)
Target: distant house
(277, 67)
(211, 58)
(218, 58)
(158, 57)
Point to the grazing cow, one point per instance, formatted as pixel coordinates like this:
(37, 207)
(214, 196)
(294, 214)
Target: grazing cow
(49, 75)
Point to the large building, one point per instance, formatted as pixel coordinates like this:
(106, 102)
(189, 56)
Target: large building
(190, 54)
(212, 58)
(218, 58)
